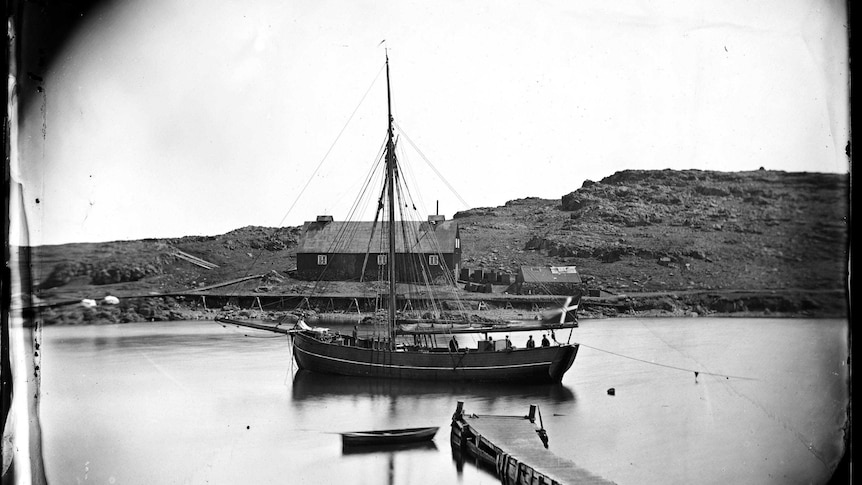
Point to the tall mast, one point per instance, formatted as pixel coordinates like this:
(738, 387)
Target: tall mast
(390, 180)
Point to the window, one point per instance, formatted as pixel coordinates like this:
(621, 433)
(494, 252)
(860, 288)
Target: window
(321, 260)
(433, 260)
(381, 260)
(457, 243)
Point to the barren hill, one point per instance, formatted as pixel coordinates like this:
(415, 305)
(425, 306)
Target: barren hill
(741, 230)
(634, 231)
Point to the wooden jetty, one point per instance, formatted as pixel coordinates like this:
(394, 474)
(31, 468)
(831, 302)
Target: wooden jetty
(515, 448)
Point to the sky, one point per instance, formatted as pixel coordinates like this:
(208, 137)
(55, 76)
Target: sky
(168, 119)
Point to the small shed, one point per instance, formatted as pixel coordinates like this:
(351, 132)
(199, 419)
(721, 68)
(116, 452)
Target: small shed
(547, 280)
(356, 250)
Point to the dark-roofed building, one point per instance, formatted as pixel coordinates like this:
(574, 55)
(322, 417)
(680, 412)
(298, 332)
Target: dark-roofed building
(547, 280)
(335, 250)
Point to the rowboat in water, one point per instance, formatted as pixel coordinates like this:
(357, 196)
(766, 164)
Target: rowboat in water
(388, 436)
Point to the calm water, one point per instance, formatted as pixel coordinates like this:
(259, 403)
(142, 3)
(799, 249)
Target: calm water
(194, 402)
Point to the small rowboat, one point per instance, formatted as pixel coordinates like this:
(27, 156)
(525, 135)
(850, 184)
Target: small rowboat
(388, 436)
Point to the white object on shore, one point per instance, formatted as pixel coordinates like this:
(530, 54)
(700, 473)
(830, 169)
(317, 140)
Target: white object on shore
(87, 302)
(111, 300)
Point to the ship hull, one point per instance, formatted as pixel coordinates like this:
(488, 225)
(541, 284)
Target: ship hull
(537, 365)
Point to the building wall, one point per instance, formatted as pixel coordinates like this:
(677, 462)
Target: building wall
(347, 267)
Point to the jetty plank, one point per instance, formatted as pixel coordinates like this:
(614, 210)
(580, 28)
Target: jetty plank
(515, 446)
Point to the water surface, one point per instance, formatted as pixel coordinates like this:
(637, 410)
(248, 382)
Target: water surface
(196, 402)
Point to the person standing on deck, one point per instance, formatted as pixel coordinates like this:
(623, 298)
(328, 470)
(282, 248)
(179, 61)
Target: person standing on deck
(545, 341)
(531, 344)
(508, 343)
(453, 344)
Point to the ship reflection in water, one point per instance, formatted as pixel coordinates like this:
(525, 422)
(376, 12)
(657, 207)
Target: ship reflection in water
(396, 448)
(310, 386)
(390, 452)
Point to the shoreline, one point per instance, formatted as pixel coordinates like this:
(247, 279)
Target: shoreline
(760, 305)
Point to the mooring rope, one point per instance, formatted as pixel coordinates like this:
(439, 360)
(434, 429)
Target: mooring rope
(696, 372)
(807, 442)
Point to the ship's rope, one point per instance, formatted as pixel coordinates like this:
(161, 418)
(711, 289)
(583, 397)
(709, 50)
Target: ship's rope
(420, 268)
(818, 454)
(431, 165)
(290, 354)
(334, 142)
(417, 270)
(347, 232)
(697, 372)
(814, 451)
(320, 164)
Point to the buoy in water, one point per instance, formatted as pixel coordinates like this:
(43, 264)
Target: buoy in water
(612, 391)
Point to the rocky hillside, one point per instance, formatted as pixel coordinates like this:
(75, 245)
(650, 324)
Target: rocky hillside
(640, 230)
(632, 232)
(158, 265)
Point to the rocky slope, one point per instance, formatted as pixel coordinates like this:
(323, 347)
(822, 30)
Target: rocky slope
(741, 230)
(655, 236)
